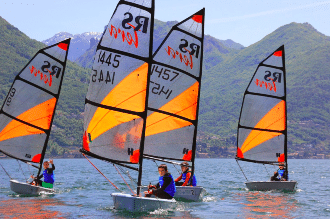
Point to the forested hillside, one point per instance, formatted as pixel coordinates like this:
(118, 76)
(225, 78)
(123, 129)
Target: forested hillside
(307, 54)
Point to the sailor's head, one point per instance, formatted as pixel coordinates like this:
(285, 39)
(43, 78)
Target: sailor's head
(162, 169)
(46, 164)
(281, 166)
(184, 166)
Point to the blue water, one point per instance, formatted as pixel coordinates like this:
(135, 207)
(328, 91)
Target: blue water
(81, 192)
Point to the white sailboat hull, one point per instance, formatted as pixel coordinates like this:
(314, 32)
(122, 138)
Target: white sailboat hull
(140, 204)
(28, 189)
(191, 193)
(271, 185)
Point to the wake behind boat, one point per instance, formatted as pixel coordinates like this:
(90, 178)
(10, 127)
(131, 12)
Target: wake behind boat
(27, 113)
(262, 127)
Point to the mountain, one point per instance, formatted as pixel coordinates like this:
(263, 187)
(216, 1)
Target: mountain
(228, 68)
(215, 50)
(79, 42)
(307, 54)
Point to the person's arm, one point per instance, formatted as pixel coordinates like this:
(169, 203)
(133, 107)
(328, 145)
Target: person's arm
(178, 179)
(188, 175)
(50, 170)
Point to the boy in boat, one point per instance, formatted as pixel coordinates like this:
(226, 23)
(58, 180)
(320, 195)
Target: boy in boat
(47, 174)
(165, 189)
(281, 174)
(185, 176)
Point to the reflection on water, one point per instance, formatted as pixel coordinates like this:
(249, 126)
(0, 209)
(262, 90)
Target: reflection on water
(265, 205)
(29, 208)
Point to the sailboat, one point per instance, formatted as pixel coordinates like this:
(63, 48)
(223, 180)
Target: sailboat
(116, 102)
(262, 126)
(174, 95)
(27, 113)
(117, 106)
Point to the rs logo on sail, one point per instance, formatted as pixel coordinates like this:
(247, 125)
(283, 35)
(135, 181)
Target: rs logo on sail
(46, 68)
(277, 77)
(141, 25)
(193, 51)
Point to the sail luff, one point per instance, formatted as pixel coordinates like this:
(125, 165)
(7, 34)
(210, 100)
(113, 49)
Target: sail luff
(67, 41)
(150, 59)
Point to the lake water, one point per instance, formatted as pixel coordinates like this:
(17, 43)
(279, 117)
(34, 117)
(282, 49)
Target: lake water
(81, 192)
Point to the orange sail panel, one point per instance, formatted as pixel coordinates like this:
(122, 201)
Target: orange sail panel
(183, 105)
(40, 115)
(129, 94)
(273, 120)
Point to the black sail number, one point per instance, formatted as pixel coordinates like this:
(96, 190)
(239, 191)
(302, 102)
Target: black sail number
(158, 89)
(10, 96)
(109, 58)
(100, 76)
(164, 73)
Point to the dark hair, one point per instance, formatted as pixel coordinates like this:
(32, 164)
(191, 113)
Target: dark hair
(164, 166)
(184, 164)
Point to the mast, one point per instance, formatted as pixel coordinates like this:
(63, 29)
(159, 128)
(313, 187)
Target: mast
(286, 117)
(202, 12)
(146, 100)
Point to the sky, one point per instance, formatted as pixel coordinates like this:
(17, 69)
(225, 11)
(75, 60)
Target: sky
(243, 21)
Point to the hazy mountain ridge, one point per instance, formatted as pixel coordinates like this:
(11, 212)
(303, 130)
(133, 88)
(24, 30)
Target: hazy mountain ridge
(79, 42)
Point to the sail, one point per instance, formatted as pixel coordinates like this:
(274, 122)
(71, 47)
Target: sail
(27, 113)
(116, 98)
(174, 91)
(262, 127)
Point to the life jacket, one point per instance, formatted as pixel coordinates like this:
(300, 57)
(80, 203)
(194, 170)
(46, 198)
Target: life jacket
(281, 174)
(194, 180)
(170, 189)
(48, 177)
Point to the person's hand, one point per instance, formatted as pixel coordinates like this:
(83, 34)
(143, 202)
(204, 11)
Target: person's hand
(275, 172)
(51, 161)
(32, 177)
(151, 186)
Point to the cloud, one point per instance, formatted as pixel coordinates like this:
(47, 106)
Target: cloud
(267, 13)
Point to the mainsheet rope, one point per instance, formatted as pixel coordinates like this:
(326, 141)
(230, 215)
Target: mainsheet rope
(242, 170)
(22, 170)
(124, 180)
(5, 171)
(102, 174)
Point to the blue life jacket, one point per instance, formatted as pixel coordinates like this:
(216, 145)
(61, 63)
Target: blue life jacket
(170, 189)
(48, 177)
(194, 180)
(281, 173)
